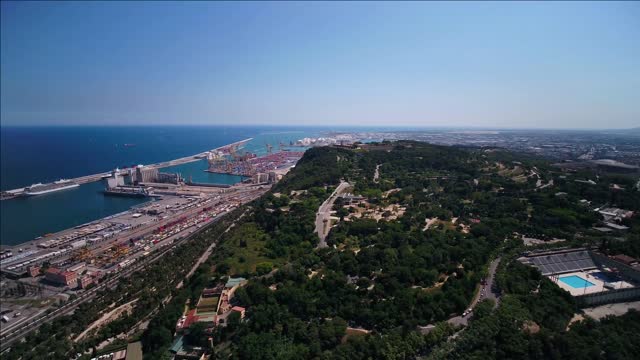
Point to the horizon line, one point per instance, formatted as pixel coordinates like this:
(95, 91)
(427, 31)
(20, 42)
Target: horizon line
(404, 127)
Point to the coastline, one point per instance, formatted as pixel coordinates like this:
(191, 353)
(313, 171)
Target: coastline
(16, 243)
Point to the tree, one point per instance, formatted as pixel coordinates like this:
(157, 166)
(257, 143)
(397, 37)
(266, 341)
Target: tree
(196, 335)
(483, 309)
(264, 268)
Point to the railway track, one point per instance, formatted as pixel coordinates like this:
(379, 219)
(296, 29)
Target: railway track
(10, 337)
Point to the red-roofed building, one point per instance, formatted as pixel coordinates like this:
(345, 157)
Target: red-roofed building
(61, 277)
(187, 320)
(240, 310)
(85, 281)
(34, 271)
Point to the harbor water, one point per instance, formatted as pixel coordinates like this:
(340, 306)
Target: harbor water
(44, 154)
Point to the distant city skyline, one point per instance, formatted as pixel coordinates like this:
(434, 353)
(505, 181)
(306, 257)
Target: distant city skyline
(566, 65)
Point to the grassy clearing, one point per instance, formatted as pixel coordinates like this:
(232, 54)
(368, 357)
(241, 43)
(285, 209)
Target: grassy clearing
(247, 245)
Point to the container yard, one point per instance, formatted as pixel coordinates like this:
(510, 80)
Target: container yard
(142, 225)
(235, 162)
(79, 258)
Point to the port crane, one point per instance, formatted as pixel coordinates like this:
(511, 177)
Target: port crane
(83, 254)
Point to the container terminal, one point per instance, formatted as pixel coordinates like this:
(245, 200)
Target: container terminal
(143, 226)
(147, 181)
(232, 161)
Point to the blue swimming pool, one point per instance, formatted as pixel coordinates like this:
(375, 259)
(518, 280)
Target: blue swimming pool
(576, 281)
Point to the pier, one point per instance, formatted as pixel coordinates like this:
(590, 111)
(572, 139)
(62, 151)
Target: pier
(10, 194)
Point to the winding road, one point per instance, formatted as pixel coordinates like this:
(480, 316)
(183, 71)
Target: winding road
(489, 293)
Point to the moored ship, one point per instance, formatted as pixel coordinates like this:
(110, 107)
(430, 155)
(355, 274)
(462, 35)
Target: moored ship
(40, 189)
(128, 191)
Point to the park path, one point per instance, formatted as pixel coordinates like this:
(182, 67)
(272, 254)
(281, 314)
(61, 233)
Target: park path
(208, 252)
(323, 223)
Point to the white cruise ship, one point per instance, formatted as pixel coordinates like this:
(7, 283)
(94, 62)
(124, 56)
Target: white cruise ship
(39, 189)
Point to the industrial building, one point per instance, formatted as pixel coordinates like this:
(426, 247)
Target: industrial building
(61, 277)
(85, 281)
(260, 178)
(265, 178)
(142, 174)
(146, 174)
(169, 178)
(34, 271)
(115, 180)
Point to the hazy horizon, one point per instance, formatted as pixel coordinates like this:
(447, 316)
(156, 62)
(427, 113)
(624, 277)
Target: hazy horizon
(324, 127)
(476, 65)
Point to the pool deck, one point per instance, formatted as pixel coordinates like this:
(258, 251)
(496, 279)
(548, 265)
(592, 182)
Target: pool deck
(598, 285)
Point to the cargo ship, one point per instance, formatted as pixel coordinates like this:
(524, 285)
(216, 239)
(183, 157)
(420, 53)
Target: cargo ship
(124, 191)
(40, 189)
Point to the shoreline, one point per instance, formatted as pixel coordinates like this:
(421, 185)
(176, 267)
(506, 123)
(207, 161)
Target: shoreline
(183, 160)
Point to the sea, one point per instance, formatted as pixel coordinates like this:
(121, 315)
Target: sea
(30, 155)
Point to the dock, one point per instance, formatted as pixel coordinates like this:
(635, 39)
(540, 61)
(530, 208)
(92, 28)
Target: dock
(10, 194)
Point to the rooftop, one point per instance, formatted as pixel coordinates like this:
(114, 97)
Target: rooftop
(626, 259)
(177, 344)
(134, 351)
(235, 281)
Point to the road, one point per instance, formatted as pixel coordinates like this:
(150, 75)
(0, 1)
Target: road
(240, 194)
(489, 293)
(11, 334)
(17, 333)
(486, 291)
(323, 225)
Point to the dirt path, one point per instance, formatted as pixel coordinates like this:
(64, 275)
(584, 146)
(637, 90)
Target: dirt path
(106, 318)
(376, 175)
(599, 312)
(208, 252)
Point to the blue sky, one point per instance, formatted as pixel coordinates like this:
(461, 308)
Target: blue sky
(477, 64)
